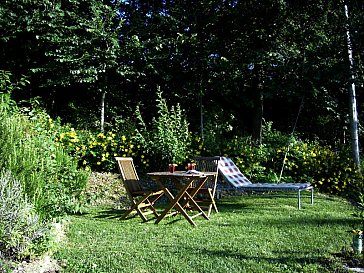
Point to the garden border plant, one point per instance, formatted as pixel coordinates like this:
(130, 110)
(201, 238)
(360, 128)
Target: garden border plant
(39, 181)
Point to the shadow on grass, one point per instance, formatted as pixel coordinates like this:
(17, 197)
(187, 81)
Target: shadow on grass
(111, 213)
(271, 200)
(118, 213)
(283, 258)
(253, 206)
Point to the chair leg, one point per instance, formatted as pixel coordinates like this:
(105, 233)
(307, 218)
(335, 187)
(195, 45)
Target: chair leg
(299, 199)
(127, 213)
(139, 211)
(153, 209)
(132, 207)
(152, 203)
(312, 196)
(213, 203)
(136, 206)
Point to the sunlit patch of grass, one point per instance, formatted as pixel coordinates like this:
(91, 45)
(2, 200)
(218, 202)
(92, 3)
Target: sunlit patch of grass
(252, 233)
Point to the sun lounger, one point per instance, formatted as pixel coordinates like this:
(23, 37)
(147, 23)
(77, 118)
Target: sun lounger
(232, 175)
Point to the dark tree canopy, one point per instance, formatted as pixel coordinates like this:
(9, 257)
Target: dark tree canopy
(230, 62)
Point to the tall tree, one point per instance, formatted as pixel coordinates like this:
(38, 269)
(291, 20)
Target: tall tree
(65, 43)
(352, 93)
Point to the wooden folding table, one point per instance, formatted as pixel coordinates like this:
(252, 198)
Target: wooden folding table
(182, 199)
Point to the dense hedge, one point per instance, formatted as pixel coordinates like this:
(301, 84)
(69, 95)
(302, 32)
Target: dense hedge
(330, 169)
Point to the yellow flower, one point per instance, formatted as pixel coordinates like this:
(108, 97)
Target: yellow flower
(357, 231)
(98, 163)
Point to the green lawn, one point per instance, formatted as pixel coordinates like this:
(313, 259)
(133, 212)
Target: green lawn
(252, 233)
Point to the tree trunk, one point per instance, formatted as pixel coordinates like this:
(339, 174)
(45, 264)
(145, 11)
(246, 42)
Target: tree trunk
(257, 113)
(352, 95)
(102, 121)
(201, 118)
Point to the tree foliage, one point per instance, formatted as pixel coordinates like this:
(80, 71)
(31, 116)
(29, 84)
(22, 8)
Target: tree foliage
(236, 61)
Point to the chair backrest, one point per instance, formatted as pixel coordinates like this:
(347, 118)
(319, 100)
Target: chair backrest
(208, 164)
(128, 174)
(231, 173)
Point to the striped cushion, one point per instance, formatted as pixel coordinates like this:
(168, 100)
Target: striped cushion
(231, 173)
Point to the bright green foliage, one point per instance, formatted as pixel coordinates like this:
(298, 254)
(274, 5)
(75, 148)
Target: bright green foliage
(8, 84)
(167, 139)
(48, 175)
(329, 169)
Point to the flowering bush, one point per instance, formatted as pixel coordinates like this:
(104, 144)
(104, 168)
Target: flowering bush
(96, 151)
(357, 232)
(328, 168)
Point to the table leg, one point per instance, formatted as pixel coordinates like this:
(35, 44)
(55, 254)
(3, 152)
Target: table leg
(192, 195)
(174, 202)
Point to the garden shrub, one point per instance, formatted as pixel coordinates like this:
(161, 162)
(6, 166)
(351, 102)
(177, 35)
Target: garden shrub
(96, 151)
(167, 140)
(20, 225)
(48, 175)
(329, 169)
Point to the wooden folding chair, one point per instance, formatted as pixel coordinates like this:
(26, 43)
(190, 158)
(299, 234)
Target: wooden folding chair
(206, 195)
(141, 200)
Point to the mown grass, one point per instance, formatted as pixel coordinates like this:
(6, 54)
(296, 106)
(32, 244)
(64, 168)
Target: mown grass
(252, 233)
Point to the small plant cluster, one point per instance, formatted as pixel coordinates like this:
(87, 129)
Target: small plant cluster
(20, 225)
(357, 232)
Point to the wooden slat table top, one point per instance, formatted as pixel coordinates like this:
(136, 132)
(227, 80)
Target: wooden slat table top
(181, 174)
